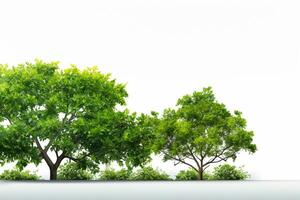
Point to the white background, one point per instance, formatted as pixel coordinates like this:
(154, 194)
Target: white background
(248, 51)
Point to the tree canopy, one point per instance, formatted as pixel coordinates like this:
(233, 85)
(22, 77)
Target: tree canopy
(201, 131)
(52, 114)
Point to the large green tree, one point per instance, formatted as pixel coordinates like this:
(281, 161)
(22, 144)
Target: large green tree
(201, 132)
(51, 114)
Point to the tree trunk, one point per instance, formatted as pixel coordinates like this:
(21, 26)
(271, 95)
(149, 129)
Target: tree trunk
(200, 175)
(52, 166)
(53, 173)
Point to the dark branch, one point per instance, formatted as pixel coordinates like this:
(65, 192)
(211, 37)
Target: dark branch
(56, 153)
(213, 160)
(176, 163)
(48, 146)
(205, 167)
(195, 159)
(72, 158)
(77, 159)
(44, 153)
(180, 160)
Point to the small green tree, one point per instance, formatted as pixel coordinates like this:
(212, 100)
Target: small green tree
(17, 174)
(71, 171)
(201, 132)
(148, 173)
(110, 174)
(229, 172)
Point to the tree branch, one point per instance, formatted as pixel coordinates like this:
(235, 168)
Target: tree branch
(224, 158)
(48, 146)
(180, 160)
(44, 153)
(205, 167)
(72, 158)
(9, 120)
(59, 159)
(56, 153)
(213, 160)
(77, 159)
(195, 159)
(176, 163)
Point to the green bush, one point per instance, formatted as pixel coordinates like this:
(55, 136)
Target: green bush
(16, 174)
(229, 172)
(148, 173)
(71, 171)
(190, 174)
(111, 174)
(185, 175)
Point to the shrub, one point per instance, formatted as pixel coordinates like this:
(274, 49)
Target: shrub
(229, 172)
(71, 171)
(185, 175)
(148, 173)
(111, 174)
(16, 174)
(190, 174)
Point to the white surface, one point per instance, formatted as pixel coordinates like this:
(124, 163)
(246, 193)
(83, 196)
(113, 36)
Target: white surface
(258, 190)
(248, 51)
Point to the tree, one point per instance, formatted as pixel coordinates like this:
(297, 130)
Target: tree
(16, 174)
(51, 114)
(229, 172)
(148, 173)
(201, 132)
(71, 171)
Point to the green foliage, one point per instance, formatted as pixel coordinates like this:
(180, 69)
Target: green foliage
(73, 113)
(16, 174)
(207, 176)
(221, 172)
(203, 131)
(185, 175)
(145, 173)
(229, 172)
(72, 171)
(191, 174)
(148, 173)
(110, 174)
(139, 139)
(69, 112)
